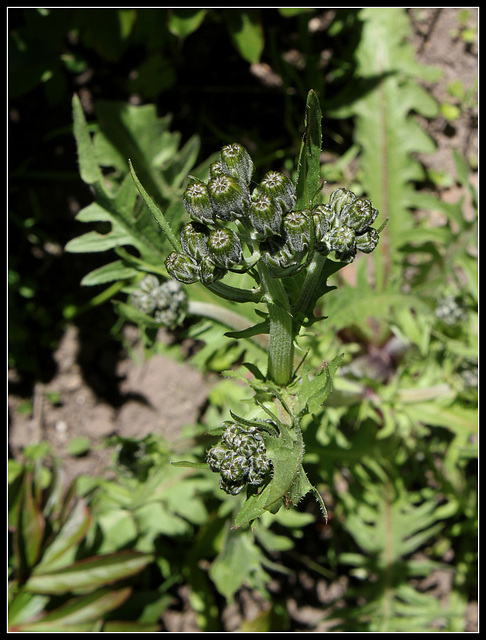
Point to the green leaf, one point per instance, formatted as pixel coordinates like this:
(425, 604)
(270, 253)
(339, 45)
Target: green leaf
(246, 33)
(309, 164)
(155, 211)
(80, 610)
(109, 273)
(311, 391)
(88, 163)
(70, 535)
(31, 526)
(85, 575)
(183, 22)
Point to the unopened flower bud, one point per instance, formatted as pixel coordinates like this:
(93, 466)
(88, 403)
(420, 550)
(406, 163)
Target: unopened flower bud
(209, 272)
(341, 239)
(340, 199)
(277, 253)
(182, 267)
(279, 187)
(367, 241)
(197, 202)
(236, 161)
(225, 248)
(149, 283)
(359, 215)
(194, 240)
(265, 215)
(227, 196)
(216, 169)
(215, 457)
(297, 227)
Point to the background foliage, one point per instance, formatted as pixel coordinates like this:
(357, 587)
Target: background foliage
(394, 449)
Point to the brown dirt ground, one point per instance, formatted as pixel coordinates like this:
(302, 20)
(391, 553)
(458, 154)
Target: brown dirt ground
(161, 396)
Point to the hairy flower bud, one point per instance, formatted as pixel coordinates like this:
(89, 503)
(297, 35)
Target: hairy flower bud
(197, 202)
(341, 239)
(340, 199)
(279, 187)
(225, 248)
(216, 169)
(228, 197)
(149, 283)
(359, 215)
(297, 227)
(277, 253)
(367, 241)
(194, 240)
(209, 272)
(237, 162)
(182, 267)
(215, 457)
(265, 215)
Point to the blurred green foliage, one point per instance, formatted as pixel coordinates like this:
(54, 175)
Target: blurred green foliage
(394, 451)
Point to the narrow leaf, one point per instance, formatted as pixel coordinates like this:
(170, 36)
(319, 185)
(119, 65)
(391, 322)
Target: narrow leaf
(88, 164)
(89, 574)
(155, 211)
(309, 165)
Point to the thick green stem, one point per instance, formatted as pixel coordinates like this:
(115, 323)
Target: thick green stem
(281, 341)
(311, 282)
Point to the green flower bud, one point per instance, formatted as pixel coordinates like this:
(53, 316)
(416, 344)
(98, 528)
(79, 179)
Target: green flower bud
(231, 436)
(197, 202)
(297, 227)
(224, 248)
(359, 215)
(149, 283)
(277, 253)
(265, 215)
(341, 239)
(182, 267)
(194, 240)
(216, 169)
(228, 197)
(367, 241)
(209, 272)
(234, 467)
(215, 457)
(237, 162)
(233, 488)
(279, 187)
(171, 303)
(322, 216)
(144, 301)
(260, 467)
(340, 199)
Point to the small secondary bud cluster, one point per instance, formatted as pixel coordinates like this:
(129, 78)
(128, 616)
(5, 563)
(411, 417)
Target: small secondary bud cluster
(166, 301)
(240, 458)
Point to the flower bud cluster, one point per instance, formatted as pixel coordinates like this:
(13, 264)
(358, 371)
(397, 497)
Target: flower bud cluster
(344, 226)
(240, 458)
(265, 219)
(166, 302)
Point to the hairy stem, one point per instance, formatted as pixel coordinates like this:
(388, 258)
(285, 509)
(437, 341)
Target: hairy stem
(281, 341)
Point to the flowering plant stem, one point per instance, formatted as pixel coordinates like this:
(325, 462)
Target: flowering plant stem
(281, 341)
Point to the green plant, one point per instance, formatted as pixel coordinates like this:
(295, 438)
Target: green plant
(54, 583)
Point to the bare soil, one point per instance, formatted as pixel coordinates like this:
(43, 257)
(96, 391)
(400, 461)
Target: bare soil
(160, 395)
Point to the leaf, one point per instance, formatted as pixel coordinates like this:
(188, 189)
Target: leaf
(311, 391)
(31, 526)
(235, 564)
(246, 33)
(70, 535)
(88, 163)
(309, 164)
(91, 573)
(79, 611)
(183, 22)
(109, 273)
(388, 134)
